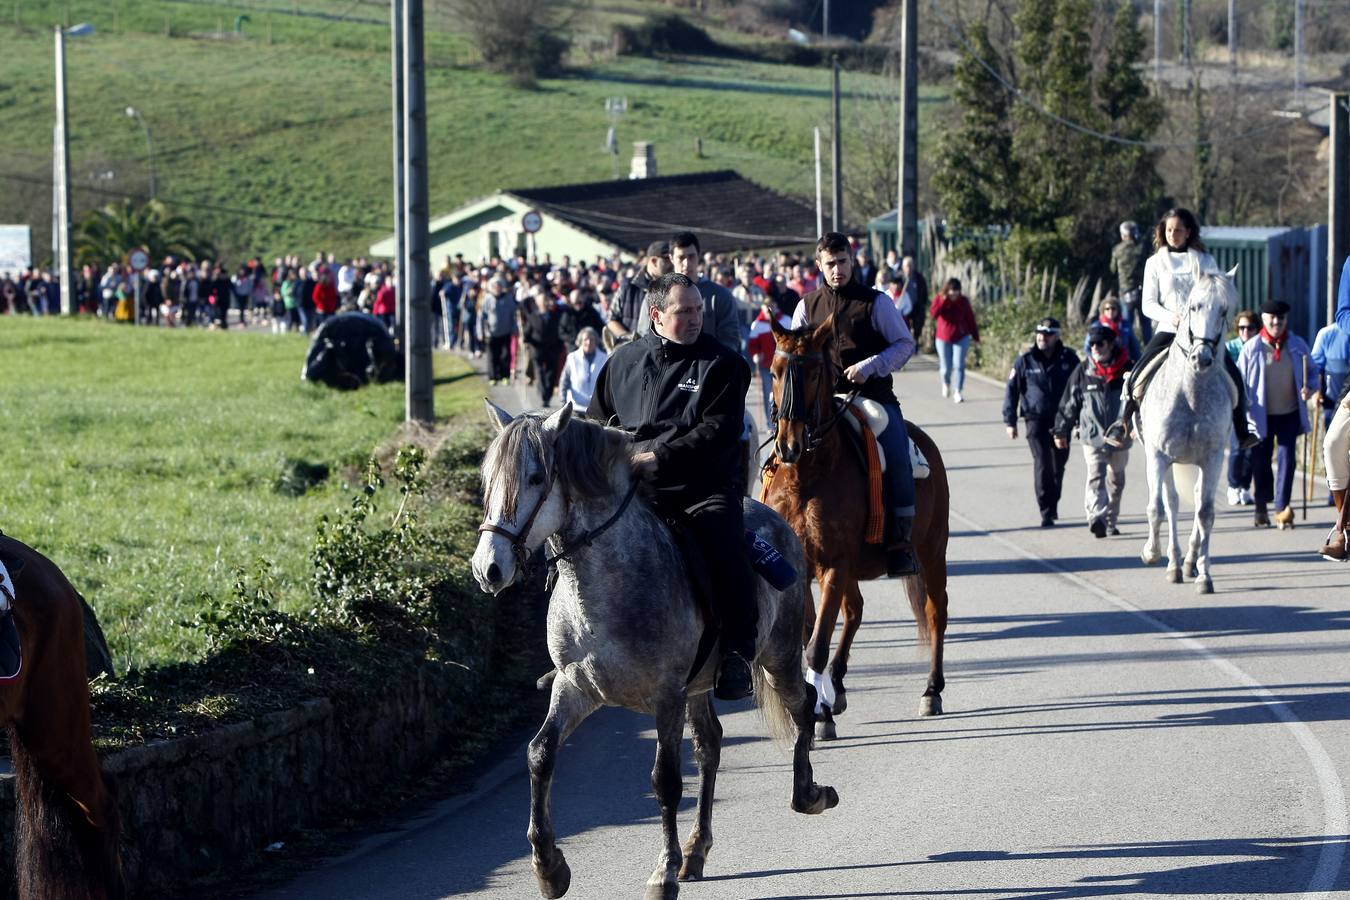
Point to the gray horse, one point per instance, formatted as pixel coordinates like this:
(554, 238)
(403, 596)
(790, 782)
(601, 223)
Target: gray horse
(624, 628)
(1186, 420)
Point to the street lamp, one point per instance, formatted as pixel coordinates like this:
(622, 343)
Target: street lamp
(134, 113)
(61, 170)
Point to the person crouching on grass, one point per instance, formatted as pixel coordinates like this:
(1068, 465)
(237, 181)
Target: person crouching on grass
(1091, 402)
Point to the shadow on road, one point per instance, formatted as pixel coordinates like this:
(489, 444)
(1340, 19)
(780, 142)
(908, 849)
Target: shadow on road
(1246, 866)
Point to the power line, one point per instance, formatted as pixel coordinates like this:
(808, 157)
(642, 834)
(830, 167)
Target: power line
(603, 219)
(1021, 97)
(209, 207)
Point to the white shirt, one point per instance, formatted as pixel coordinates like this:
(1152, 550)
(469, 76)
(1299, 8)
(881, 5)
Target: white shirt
(1168, 279)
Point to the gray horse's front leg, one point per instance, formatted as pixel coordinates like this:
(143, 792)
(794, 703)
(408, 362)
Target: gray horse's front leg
(1156, 468)
(707, 732)
(1204, 520)
(1172, 504)
(667, 784)
(568, 706)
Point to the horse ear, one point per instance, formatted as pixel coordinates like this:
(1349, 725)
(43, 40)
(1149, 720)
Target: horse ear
(558, 421)
(499, 417)
(778, 330)
(1232, 273)
(822, 332)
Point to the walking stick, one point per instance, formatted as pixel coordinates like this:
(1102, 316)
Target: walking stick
(1307, 449)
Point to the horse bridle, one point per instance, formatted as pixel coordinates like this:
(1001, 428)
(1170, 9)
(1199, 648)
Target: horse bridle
(794, 396)
(1192, 340)
(517, 539)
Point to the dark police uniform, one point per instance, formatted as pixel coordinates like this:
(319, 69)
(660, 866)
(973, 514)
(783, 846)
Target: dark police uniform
(1035, 387)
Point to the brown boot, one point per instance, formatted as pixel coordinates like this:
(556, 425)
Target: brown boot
(1335, 547)
(1285, 518)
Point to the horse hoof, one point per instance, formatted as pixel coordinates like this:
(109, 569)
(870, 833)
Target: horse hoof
(930, 705)
(840, 704)
(822, 798)
(825, 730)
(1204, 586)
(1174, 576)
(1150, 559)
(554, 881)
(692, 870)
(664, 890)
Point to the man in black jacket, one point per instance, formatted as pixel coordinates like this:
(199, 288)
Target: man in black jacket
(579, 313)
(1090, 404)
(629, 306)
(1035, 386)
(682, 395)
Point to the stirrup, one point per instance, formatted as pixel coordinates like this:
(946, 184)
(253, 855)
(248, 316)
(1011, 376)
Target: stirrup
(1248, 442)
(1117, 434)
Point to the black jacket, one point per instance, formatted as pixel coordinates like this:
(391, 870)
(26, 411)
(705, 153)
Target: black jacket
(685, 403)
(1090, 403)
(541, 331)
(1036, 384)
(573, 320)
(631, 304)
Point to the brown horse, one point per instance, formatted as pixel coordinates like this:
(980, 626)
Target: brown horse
(821, 489)
(68, 824)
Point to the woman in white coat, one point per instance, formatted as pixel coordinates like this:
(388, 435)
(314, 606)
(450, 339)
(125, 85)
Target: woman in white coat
(581, 368)
(1168, 279)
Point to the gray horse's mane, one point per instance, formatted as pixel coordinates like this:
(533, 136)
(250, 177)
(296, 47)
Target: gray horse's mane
(585, 453)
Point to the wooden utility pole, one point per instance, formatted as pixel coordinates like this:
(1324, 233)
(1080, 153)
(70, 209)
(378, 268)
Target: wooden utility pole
(415, 266)
(1232, 33)
(396, 51)
(1299, 76)
(907, 185)
(836, 154)
(1338, 196)
(1157, 43)
(820, 203)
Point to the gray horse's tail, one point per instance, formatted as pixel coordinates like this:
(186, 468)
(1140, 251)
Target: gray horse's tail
(774, 705)
(917, 592)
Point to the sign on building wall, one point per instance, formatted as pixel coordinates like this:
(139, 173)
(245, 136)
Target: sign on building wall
(16, 248)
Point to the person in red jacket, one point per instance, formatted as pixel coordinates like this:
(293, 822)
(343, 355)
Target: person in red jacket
(956, 329)
(385, 307)
(325, 295)
(762, 347)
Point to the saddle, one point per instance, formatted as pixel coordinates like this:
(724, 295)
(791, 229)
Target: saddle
(872, 415)
(867, 419)
(1142, 376)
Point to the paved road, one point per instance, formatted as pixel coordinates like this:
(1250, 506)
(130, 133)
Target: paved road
(1107, 734)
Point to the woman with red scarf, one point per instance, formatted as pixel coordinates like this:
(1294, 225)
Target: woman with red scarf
(1273, 370)
(1091, 402)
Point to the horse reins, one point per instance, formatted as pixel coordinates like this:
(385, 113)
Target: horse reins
(551, 563)
(794, 396)
(518, 539)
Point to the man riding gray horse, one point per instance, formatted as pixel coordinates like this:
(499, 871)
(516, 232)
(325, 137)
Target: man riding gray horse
(682, 395)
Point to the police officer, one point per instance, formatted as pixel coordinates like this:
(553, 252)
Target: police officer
(682, 395)
(1035, 386)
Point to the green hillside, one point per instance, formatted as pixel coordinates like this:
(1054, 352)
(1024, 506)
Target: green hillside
(277, 140)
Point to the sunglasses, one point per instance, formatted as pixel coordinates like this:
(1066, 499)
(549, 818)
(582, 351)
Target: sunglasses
(1102, 342)
(1245, 327)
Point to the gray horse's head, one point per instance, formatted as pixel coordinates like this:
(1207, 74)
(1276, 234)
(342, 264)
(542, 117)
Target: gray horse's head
(532, 470)
(1204, 322)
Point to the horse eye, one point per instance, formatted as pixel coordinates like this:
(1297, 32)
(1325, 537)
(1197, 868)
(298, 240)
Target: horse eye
(536, 479)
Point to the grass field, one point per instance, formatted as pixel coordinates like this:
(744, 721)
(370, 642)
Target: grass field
(288, 126)
(144, 463)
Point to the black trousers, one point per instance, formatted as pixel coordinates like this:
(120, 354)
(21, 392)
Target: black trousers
(499, 357)
(719, 528)
(1049, 462)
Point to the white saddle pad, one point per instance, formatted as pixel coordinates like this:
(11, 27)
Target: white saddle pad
(877, 420)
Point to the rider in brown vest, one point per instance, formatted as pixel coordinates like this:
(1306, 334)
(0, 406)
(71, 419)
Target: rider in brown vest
(870, 341)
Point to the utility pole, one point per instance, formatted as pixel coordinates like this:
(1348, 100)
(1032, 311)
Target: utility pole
(907, 200)
(415, 265)
(825, 22)
(836, 154)
(1338, 196)
(1299, 75)
(820, 203)
(1232, 33)
(1157, 44)
(1186, 32)
(64, 269)
(396, 51)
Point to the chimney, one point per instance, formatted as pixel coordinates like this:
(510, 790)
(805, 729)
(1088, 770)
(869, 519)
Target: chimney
(644, 160)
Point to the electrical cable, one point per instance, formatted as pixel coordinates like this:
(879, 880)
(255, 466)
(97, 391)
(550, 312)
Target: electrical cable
(611, 219)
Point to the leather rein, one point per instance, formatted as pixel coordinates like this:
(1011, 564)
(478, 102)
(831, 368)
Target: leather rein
(794, 395)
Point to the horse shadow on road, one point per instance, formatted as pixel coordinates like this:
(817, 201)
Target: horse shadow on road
(1224, 867)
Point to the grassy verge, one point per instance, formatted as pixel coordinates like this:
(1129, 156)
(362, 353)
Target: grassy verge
(150, 464)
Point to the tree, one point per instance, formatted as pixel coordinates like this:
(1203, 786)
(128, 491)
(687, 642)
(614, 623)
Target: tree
(522, 38)
(110, 233)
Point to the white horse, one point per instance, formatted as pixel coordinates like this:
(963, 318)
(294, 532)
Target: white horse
(1186, 419)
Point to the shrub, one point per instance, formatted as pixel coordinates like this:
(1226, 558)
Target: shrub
(517, 37)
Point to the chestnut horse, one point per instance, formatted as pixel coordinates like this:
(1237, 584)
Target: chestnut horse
(68, 823)
(821, 489)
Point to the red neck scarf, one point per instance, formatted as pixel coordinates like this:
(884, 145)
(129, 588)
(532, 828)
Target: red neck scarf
(1113, 369)
(1111, 323)
(1276, 342)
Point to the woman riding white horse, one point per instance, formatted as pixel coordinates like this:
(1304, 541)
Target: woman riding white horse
(1169, 276)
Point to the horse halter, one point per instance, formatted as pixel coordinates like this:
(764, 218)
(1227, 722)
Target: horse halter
(517, 540)
(794, 398)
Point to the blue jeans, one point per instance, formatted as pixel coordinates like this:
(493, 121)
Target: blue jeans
(952, 354)
(1239, 465)
(894, 442)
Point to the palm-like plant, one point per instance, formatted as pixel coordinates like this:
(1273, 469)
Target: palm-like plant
(110, 233)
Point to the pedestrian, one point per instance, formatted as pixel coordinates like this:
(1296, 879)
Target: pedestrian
(497, 325)
(1240, 458)
(470, 340)
(579, 313)
(385, 307)
(1336, 445)
(628, 310)
(325, 294)
(1035, 386)
(1110, 315)
(762, 347)
(721, 313)
(915, 288)
(540, 334)
(581, 369)
(1273, 366)
(954, 321)
(1169, 276)
(1090, 404)
(1331, 352)
(1127, 265)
